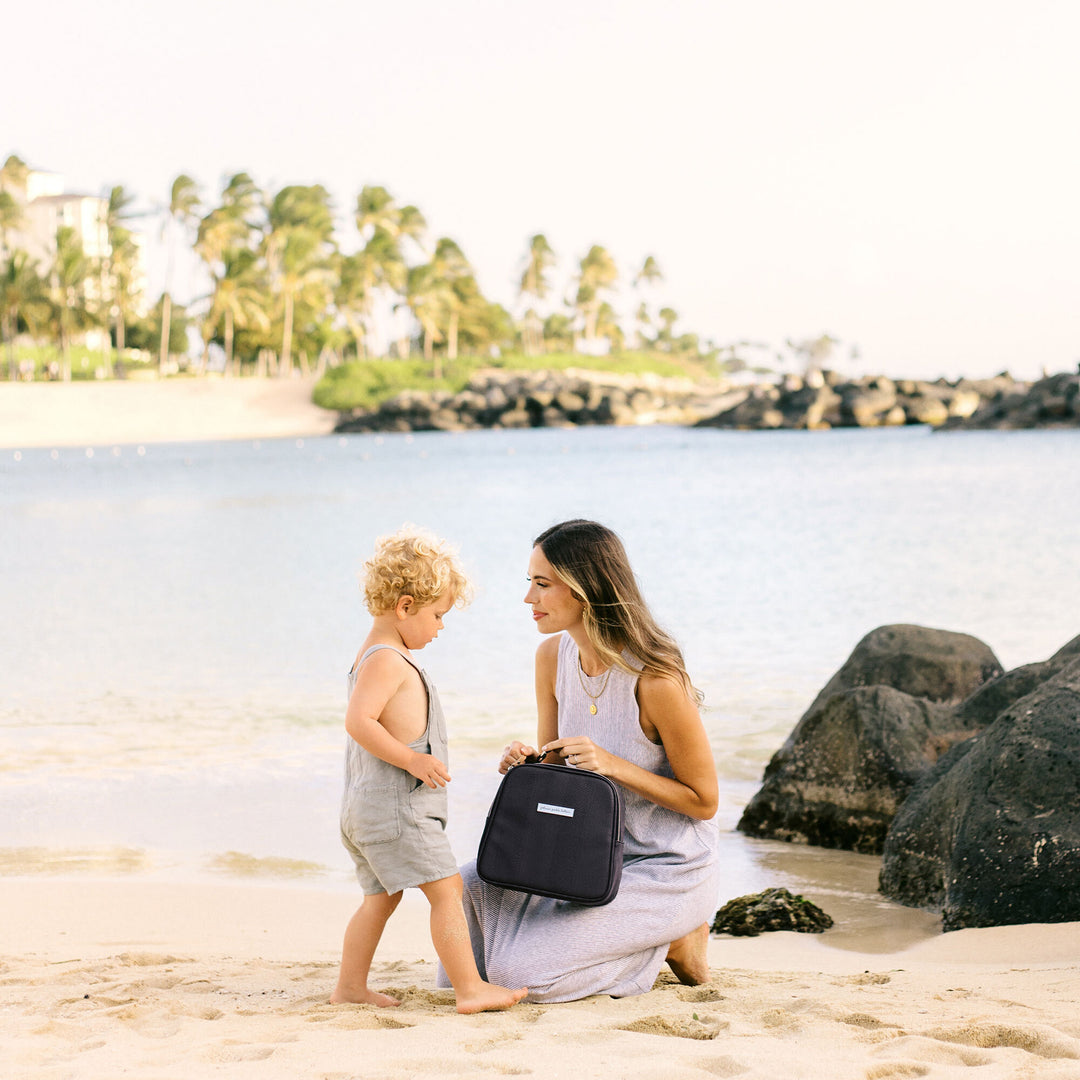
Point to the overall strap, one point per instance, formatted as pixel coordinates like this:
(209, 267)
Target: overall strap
(375, 648)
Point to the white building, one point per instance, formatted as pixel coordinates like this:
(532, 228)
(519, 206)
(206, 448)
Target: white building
(46, 207)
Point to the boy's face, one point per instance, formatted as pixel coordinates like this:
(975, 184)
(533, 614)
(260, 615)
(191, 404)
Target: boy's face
(421, 625)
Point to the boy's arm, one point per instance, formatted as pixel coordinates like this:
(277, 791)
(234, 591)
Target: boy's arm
(382, 676)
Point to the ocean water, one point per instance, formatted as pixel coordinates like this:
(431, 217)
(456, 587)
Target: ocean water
(176, 620)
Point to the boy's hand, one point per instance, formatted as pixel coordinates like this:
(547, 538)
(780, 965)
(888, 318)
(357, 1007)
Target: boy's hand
(430, 770)
(515, 754)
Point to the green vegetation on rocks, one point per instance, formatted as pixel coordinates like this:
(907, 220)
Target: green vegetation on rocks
(366, 384)
(773, 909)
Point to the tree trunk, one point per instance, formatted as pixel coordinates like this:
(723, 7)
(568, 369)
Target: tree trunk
(286, 338)
(65, 353)
(451, 338)
(9, 345)
(228, 342)
(166, 320)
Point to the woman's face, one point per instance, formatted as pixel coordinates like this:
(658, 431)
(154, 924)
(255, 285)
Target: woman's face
(554, 606)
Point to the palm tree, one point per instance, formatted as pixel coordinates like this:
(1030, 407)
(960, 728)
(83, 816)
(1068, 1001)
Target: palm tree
(376, 209)
(181, 212)
(426, 296)
(665, 335)
(10, 219)
(237, 301)
(126, 280)
(224, 237)
(644, 280)
(643, 321)
(117, 268)
(66, 293)
(597, 275)
(451, 267)
(607, 325)
(534, 282)
(353, 296)
(22, 294)
(483, 324)
(649, 274)
(382, 267)
(299, 247)
(559, 331)
(12, 181)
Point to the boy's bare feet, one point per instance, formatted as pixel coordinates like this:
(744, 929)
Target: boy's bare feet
(688, 957)
(365, 997)
(487, 997)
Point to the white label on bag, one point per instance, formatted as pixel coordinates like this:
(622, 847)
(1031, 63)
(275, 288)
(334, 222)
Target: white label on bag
(549, 808)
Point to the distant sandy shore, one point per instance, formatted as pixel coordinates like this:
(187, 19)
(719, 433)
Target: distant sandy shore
(103, 978)
(175, 410)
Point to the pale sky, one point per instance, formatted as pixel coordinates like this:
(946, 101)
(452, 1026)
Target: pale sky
(903, 176)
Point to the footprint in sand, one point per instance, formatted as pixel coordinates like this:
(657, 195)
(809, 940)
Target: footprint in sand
(725, 1065)
(229, 1053)
(699, 993)
(917, 1049)
(1044, 1042)
(706, 1028)
(902, 1070)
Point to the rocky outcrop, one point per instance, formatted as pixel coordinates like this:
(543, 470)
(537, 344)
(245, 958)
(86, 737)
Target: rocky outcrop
(991, 835)
(495, 398)
(502, 399)
(1051, 402)
(773, 909)
(939, 665)
(824, 400)
(879, 724)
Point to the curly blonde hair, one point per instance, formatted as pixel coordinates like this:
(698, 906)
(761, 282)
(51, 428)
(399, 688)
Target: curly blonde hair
(413, 562)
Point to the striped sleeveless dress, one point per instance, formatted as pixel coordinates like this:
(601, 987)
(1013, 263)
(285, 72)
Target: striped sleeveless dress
(563, 951)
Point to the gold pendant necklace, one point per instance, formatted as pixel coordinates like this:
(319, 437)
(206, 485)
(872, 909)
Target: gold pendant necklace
(595, 697)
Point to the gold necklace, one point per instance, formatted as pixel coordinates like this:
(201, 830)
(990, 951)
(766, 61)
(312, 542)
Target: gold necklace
(595, 697)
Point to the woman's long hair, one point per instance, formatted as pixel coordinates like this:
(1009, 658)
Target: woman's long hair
(591, 559)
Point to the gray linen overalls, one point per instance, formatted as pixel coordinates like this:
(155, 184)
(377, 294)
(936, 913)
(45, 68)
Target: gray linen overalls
(393, 825)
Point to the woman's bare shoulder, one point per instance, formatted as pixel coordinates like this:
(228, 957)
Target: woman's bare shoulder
(663, 693)
(547, 652)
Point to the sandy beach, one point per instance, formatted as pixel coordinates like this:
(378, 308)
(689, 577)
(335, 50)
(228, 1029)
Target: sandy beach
(151, 979)
(94, 414)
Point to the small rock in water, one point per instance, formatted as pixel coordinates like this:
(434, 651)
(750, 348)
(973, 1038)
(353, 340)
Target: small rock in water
(773, 909)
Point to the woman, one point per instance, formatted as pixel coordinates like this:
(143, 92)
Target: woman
(613, 696)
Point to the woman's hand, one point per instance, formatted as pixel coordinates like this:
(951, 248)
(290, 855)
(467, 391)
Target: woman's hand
(581, 752)
(515, 754)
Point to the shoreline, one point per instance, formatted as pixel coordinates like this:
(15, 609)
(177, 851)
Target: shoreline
(116, 413)
(156, 979)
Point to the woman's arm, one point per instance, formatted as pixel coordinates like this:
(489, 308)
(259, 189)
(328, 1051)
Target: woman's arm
(547, 707)
(666, 708)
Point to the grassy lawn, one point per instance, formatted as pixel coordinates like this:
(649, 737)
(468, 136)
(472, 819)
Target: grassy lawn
(364, 384)
(86, 364)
